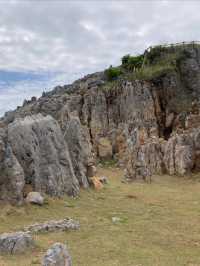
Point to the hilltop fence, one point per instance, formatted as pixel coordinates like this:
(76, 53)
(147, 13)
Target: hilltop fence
(171, 46)
(174, 45)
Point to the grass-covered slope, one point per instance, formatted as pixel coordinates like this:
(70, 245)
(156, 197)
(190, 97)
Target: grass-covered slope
(159, 224)
(153, 63)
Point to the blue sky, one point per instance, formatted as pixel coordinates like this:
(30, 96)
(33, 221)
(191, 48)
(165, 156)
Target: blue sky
(17, 86)
(48, 43)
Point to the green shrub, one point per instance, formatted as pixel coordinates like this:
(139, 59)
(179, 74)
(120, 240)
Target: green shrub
(112, 73)
(125, 59)
(131, 63)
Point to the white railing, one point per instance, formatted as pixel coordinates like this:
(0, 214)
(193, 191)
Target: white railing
(172, 45)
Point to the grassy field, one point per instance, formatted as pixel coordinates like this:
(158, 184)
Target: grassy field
(159, 226)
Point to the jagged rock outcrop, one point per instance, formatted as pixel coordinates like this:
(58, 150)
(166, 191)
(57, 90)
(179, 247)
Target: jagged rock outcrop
(144, 160)
(147, 125)
(34, 151)
(179, 155)
(79, 149)
(39, 146)
(11, 173)
(182, 152)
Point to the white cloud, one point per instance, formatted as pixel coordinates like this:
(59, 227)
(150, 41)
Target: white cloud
(86, 36)
(13, 94)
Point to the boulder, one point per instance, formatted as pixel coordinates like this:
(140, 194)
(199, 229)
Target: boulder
(15, 242)
(57, 255)
(39, 146)
(35, 198)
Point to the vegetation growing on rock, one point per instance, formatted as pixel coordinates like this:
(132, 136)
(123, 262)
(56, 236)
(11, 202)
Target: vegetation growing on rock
(155, 62)
(130, 63)
(64, 127)
(112, 73)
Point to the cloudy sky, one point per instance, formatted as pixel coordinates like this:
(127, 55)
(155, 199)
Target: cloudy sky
(44, 43)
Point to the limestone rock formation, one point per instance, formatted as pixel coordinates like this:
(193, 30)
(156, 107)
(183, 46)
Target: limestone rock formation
(144, 160)
(182, 152)
(36, 152)
(57, 255)
(39, 146)
(79, 149)
(12, 178)
(149, 125)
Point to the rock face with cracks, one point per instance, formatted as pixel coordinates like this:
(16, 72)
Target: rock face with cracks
(39, 146)
(149, 126)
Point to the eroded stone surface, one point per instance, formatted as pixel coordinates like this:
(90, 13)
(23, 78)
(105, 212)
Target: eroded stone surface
(55, 139)
(57, 255)
(50, 226)
(12, 178)
(39, 147)
(17, 242)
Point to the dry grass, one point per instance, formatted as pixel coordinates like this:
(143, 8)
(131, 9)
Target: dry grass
(159, 226)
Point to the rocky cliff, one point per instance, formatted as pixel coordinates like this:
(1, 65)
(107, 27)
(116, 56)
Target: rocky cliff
(150, 123)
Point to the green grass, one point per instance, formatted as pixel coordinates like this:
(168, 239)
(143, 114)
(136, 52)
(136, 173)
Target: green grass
(159, 224)
(153, 72)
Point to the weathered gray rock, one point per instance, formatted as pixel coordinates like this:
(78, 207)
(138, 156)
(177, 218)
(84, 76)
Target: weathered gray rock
(184, 159)
(79, 149)
(15, 242)
(51, 143)
(35, 198)
(50, 226)
(179, 154)
(144, 158)
(11, 173)
(12, 178)
(39, 147)
(57, 255)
